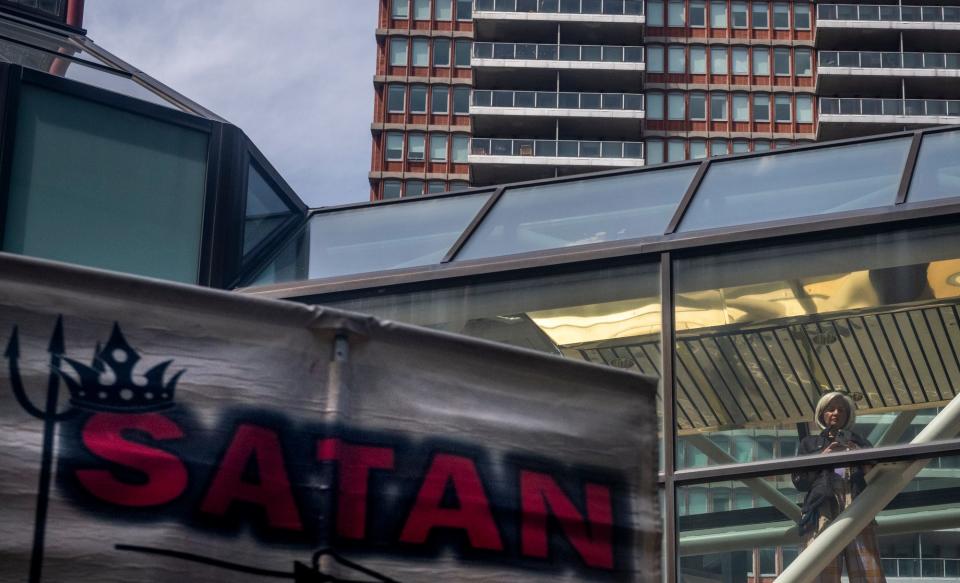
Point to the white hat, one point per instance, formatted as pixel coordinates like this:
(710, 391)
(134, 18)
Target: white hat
(827, 399)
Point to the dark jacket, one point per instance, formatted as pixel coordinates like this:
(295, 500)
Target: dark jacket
(818, 484)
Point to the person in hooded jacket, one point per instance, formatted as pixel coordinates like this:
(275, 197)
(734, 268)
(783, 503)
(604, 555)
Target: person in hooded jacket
(830, 491)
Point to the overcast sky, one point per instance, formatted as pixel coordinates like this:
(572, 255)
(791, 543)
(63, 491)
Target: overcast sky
(295, 75)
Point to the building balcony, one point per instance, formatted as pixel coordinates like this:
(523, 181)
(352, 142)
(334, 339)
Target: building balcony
(845, 117)
(898, 64)
(549, 56)
(594, 11)
(887, 16)
(495, 160)
(557, 104)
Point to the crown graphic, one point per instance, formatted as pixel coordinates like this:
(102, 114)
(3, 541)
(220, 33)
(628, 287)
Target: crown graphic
(123, 394)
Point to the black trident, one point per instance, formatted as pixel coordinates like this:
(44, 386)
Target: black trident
(50, 417)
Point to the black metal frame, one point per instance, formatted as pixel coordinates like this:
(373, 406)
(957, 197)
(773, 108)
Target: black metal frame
(448, 268)
(228, 153)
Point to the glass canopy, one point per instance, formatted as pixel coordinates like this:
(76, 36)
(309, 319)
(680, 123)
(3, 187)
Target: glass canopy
(690, 199)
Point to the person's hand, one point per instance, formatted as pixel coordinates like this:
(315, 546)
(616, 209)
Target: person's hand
(833, 447)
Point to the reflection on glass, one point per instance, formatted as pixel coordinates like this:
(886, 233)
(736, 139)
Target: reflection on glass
(266, 210)
(763, 333)
(290, 264)
(389, 236)
(579, 212)
(49, 63)
(798, 184)
(917, 532)
(937, 174)
(609, 316)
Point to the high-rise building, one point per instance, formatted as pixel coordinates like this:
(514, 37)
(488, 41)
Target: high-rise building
(569, 86)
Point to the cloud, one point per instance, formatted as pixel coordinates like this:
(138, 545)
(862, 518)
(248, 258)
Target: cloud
(295, 75)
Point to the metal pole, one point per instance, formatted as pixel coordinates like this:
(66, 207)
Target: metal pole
(759, 485)
(885, 484)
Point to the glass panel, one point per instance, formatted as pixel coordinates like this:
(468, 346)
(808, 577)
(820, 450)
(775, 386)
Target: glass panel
(266, 210)
(388, 237)
(798, 184)
(605, 316)
(579, 212)
(937, 174)
(914, 536)
(128, 197)
(764, 333)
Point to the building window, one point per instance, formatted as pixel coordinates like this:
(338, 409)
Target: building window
(718, 107)
(718, 14)
(718, 147)
(781, 62)
(761, 107)
(655, 13)
(439, 99)
(392, 189)
(461, 145)
(801, 16)
(741, 107)
(676, 59)
(761, 61)
(438, 147)
(675, 13)
(398, 52)
(782, 108)
(414, 188)
(420, 52)
(739, 147)
(396, 95)
(436, 187)
(654, 152)
(675, 151)
(400, 9)
(442, 9)
(654, 106)
(760, 146)
(655, 59)
(464, 9)
(441, 52)
(421, 9)
(698, 149)
(698, 106)
(741, 61)
(698, 13)
(461, 100)
(760, 12)
(675, 108)
(458, 185)
(718, 60)
(698, 60)
(415, 147)
(418, 99)
(804, 108)
(781, 16)
(461, 57)
(801, 62)
(394, 146)
(738, 14)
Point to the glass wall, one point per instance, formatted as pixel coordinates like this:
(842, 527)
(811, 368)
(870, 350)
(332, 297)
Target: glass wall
(102, 187)
(762, 333)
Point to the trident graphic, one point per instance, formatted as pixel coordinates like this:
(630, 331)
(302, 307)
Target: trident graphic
(50, 417)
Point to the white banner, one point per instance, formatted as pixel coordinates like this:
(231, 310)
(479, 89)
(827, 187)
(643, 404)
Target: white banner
(157, 432)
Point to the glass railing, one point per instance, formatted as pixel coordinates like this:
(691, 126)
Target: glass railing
(866, 106)
(556, 148)
(559, 100)
(608, 7)
(889, 60)
(866, 12)
(917, 567)
(544, 52)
